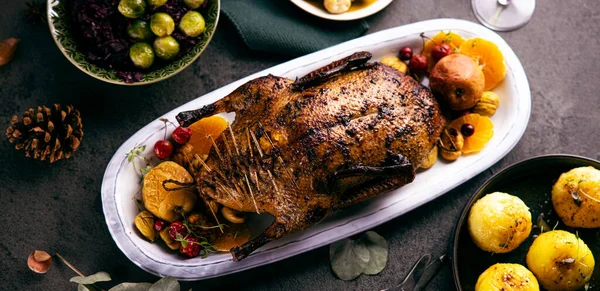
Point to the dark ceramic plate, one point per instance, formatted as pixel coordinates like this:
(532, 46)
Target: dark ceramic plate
(531, 180)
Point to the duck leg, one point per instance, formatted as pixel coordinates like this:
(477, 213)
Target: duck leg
(249, 99)
(353, 62)
(286, 224)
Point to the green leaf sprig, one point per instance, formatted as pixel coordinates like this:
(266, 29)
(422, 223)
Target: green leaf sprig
(87, 283)
(134, 154)
(366, 255)
(206, 246)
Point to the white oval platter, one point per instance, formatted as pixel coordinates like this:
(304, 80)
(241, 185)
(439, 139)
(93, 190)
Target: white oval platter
(351, 15)
(121, 182)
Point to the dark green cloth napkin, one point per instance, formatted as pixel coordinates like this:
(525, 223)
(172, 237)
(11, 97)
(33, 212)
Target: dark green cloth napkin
(279, 26)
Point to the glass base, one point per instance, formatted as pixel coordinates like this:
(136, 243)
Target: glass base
(503, 18)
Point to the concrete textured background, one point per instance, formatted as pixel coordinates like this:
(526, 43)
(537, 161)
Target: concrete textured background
(57, 207)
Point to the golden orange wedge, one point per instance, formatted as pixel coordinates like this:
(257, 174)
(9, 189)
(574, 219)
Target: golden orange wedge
(489, 57)
(202, 132)
(484, 131)
(234, 236)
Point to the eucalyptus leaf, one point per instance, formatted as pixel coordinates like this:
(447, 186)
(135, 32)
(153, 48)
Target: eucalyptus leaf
(165, 284)
(348, 259)
(378, 252)
(91, 279)
(131, 287)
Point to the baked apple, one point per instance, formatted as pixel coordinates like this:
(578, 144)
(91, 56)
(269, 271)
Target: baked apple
(168, 204)
(458, 80)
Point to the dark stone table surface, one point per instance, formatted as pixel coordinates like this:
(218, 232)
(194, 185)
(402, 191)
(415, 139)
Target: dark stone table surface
(58, 207)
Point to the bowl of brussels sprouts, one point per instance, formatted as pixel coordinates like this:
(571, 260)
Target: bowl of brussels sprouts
(132, 42)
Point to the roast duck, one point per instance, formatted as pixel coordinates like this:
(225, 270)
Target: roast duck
(300, 149)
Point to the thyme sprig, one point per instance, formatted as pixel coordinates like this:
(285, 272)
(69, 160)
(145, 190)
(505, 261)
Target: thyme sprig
(134, 154)
(206, 246)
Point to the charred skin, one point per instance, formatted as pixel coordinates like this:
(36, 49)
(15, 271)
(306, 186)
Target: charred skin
(298, 153)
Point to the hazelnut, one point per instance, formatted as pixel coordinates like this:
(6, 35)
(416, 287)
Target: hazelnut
(452, 140)
(172, 244)
(488, 104)
(395, 63)
(430, 159)
(39, 261)
(144, 222)
(450, 155)
(233, 216)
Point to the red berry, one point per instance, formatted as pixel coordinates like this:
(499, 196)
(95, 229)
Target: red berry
(192, 248)
(182, 134)
(177, 227)
(163, 149)
(159, 225)
(418, 64)
(467, 130)
(441, 50)
(406, 53)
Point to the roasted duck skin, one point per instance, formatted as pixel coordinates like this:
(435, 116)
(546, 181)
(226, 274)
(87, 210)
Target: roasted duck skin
(300, 150)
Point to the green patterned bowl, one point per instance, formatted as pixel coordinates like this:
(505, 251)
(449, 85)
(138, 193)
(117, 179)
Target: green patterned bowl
(59, 20)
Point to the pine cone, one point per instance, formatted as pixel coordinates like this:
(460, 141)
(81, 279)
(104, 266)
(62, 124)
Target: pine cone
(51, 134)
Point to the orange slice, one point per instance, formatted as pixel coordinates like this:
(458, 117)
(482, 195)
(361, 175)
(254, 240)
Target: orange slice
(234, 236)
(489, 57)
(452, 39)
(484, 131)
(203, 130)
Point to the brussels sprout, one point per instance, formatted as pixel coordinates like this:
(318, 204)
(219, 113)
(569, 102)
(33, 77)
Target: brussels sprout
(141, 55)
(193, 4)
(192, 24)
(132, 8)
(157, 3)
(139, 30)
(162, 24)
(166, 47)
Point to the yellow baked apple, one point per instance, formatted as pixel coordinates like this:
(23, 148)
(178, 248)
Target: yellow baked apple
(164, 204)
(499, 222)
(459, 80)
(576, 197)
(507, 277)
(560, 260)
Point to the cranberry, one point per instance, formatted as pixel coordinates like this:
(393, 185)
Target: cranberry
(163, 149)
(418, 64)
(182, 134)
(441, 50)
(177, 227)
(406, 53)
(192, 249)
(159, 225)
(467, 130)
